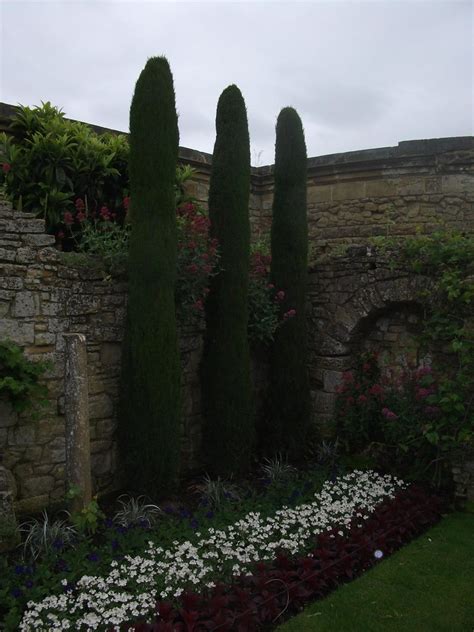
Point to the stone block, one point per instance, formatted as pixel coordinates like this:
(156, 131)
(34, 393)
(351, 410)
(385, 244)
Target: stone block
(32, 505)
(39, 241)
(100, 406)
(25, 255)
(25, 305)
(20, 332)
(458, 183)
(324, 402)
(380, 188)
(37, 485)
(317, 194)
(7, 254)
(101, 463)
(45, 339)
(55, 451)
(110, 353)
(22, 436)
(8, 417)
(10, 281)
(348, 190)
(331, 380)
(410, 186)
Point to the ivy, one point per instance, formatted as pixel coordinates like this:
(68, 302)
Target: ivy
(20, 378)
(447, 258)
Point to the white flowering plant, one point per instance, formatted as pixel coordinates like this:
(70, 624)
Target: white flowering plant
(131, 587)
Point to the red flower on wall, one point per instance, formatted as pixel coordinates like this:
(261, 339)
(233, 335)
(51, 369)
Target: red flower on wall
(6, 167)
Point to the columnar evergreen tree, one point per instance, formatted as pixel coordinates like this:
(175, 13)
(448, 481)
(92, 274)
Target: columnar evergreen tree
(149, 427)
(229, 422)
(289, 384)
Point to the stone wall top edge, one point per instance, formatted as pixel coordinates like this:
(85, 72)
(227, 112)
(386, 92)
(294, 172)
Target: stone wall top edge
(407, 149)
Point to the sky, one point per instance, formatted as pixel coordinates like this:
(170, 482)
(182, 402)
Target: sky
(361, 74)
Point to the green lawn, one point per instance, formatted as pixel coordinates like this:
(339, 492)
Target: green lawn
(428, 586)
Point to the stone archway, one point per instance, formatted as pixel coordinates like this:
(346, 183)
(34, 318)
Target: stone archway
(352, 301)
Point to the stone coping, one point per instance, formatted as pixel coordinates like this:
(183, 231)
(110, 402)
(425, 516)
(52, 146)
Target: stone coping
(380, 157)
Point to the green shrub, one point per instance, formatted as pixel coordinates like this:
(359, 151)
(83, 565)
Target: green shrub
(229, 423)
(289, 385)
(49, 162)
(20, 379)
(149, 427)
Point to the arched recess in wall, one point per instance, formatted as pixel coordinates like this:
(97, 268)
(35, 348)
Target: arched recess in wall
(384, 315)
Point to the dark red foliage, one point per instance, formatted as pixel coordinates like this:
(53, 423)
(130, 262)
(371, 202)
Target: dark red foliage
(282, 587)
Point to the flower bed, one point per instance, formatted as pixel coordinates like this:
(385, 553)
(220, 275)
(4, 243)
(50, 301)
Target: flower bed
(133, 587)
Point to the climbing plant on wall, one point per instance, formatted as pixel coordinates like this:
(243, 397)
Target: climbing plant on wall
(229, 423)
(289, 386)
(150, 393)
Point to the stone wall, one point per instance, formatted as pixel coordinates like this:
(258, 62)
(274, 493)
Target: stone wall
(357, 302)
(415, 186)
(41, 298)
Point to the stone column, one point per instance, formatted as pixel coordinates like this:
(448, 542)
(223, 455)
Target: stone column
(76, 399)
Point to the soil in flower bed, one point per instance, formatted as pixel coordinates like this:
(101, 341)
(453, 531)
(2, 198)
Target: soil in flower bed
(428, 586)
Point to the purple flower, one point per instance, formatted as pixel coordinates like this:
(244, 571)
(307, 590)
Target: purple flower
(194, 524)
(29, 583)
(210, 515)
(19, 570)
(115, 545)
(93, 557)
(16, 592)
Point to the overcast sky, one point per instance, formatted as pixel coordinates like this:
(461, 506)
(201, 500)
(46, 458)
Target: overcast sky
(360, 73)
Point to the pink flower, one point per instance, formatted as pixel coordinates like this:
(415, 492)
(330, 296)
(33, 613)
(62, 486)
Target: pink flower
(104, 213)
(289, 314)
(280, 295)
(348, 377)
(376, 389)
(126, 202)
(68, 218)
(81, 216)
(6, 167)
(79, 204)
(362, 399)
(422, 393)
(389, 414)
(198, 305)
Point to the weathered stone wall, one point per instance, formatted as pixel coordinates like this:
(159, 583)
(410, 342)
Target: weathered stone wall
(415, 186)
(418, 185)
(41, 298)
(357, 302)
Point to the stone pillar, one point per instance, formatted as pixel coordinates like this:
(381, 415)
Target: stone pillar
(76, 399)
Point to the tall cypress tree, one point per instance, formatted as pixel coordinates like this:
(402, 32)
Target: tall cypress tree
(149, 423)
(228, 434)
(289, 383)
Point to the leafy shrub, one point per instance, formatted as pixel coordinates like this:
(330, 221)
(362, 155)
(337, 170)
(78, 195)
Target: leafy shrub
(49, 161)
(398, 420)
(20, 378)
